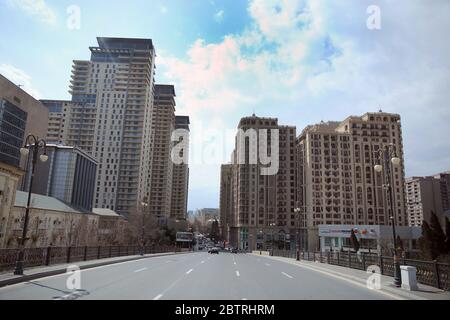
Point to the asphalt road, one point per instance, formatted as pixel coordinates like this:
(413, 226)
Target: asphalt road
(196, 276)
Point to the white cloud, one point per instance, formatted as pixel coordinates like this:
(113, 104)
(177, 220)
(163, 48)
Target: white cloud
(163, 9)
(307, 60)
(21, 78)
(218, 16)
(38, 8)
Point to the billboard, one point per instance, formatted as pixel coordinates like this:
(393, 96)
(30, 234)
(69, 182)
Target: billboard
(185, 236)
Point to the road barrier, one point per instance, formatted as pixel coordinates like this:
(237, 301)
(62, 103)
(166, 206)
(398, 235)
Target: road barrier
(432, 273)
(35, 257)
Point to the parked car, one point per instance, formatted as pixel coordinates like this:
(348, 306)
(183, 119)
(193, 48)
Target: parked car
(214, 250)
(234, 250)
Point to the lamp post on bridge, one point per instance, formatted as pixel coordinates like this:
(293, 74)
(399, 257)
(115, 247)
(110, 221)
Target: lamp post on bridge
(386, 159)
(34, 143)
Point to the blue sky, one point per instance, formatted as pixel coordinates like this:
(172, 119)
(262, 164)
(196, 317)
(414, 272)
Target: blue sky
(302, 61)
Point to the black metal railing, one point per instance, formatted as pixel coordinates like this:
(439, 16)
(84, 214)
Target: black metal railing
(432, 273)
(35, 257)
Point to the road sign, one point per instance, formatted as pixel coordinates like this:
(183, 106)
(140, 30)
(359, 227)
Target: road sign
(185, 236)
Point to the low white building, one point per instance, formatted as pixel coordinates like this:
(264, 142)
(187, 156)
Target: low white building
(51, 223)
(111, 226)
(372, 238)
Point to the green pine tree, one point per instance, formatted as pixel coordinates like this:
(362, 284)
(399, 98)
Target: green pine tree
(447, 232)
(354, 241)
(438, 235)
(426, 243)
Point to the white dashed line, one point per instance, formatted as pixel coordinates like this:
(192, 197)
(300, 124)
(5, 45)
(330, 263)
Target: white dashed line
(159, 296)
(267, 265)
(285, 274)
(189, 271)
(202, 262)
(140, 270)
(238, 274)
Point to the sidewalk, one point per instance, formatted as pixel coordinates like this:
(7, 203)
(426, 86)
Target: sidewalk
(360, 277)
(9, 278)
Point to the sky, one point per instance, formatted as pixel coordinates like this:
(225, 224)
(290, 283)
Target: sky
(301, 61)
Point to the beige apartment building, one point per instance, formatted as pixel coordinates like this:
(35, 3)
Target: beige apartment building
(110, 117)
(161, 174)
(71, 123)
(336, 180)
(180, 177)
(425, 195)
(263, 205)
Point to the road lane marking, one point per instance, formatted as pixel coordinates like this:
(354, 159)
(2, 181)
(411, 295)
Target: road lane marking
(238, 274)
(235, 263)
(285, 274)
(345, 279)
(267, 265)
(202, 262)
(159, 296)
(189, 271)
(140, 270)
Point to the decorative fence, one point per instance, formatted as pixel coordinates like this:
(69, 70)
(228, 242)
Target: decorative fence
(430, 273)
(35, 257)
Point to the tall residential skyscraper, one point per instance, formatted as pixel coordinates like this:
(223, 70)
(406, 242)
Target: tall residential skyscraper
(336, 181)
(263, 204)
(425, 195)
(180, 177)
(163, 123)
(110, 117)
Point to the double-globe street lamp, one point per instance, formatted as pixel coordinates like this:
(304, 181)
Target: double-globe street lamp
(35, 144)
(298, 211)
(387, 159)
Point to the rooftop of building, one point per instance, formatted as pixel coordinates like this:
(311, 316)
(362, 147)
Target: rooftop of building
(73, 148)
(125, 43)
(105, 212)
(43, 202)
(252, 120)
(165, 89)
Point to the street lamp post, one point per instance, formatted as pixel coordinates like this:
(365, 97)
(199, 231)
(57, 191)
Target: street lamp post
(298, 212)
(35, 143)
(387, 158)
(144, 209)
(272, 226)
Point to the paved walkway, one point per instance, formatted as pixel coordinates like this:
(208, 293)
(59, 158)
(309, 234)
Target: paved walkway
(361, 277)
(8, 278)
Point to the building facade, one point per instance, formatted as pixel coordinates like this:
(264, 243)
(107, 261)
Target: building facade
(425, 195)
(12, 97)
(226, 202)
(336, 181)
(161, 174)
(68, 175)
(9, 180)
(51, 223)
(263, 205)
(110, 117)
(180, 176)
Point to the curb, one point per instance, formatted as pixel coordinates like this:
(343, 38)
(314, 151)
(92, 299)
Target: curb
(44, 274)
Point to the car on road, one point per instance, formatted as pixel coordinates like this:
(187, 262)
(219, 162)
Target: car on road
(234, 250)
(214, 250)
